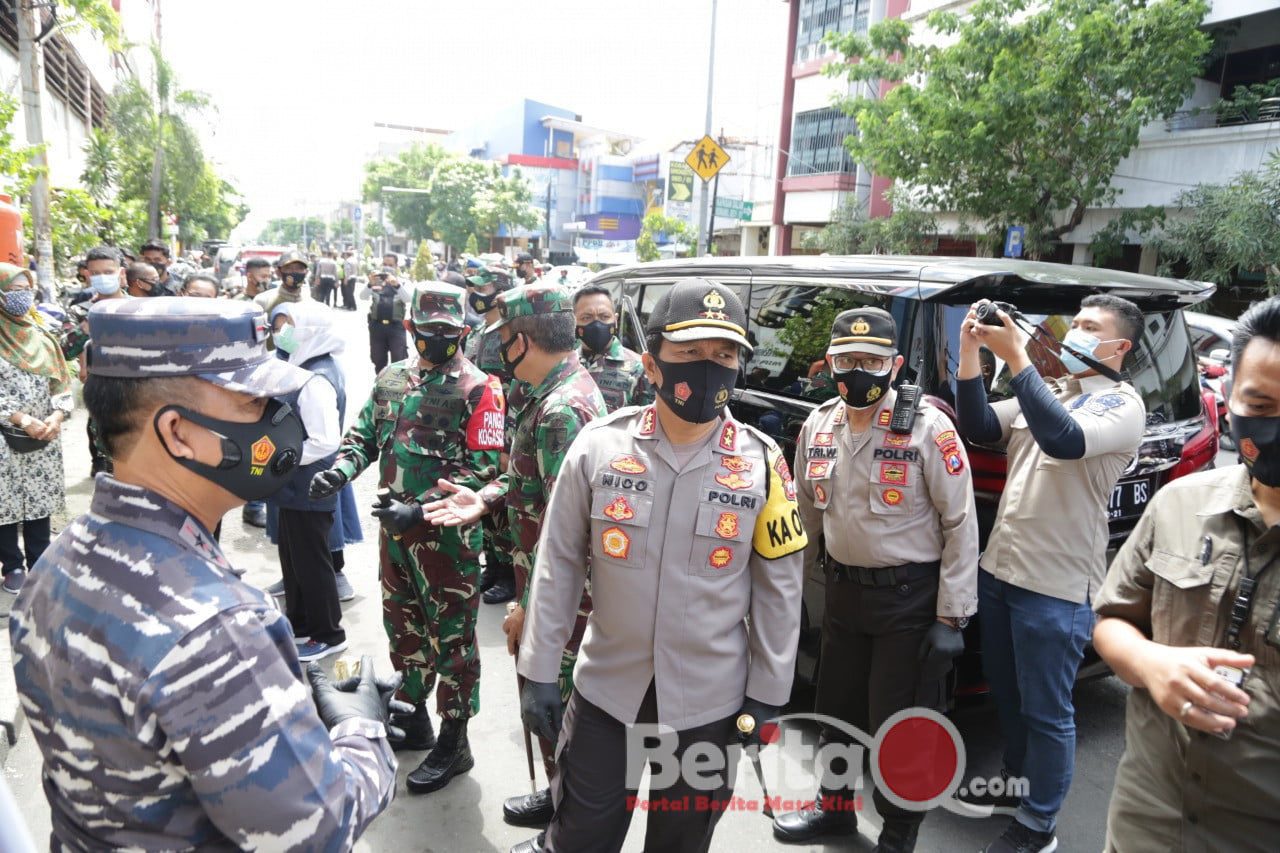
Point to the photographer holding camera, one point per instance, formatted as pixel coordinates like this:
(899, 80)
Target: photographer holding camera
(1068, 440)
(1190, 616)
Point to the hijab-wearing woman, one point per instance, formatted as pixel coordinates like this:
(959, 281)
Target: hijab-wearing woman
(35, 398)
(305, 331)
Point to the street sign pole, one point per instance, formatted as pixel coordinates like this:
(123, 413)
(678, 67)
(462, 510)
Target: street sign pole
(715, 192)
(711, 78)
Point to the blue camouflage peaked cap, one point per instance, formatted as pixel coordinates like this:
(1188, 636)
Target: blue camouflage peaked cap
(217, 340)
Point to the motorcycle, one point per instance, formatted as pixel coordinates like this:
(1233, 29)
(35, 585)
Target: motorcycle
(1215, 383)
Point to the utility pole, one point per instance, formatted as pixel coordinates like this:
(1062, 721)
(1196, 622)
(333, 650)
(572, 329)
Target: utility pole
(32, 75)
(715, 195)
(711, 79)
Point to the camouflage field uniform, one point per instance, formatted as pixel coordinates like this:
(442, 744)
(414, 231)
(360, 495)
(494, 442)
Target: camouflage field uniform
(483, 348)
(447, 423)
(619, 374)
(165, 695)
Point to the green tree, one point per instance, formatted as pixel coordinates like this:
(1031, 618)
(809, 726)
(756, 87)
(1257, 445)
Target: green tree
(414, 169)
(16, 171)
(162, 161)
(1022, 114)
(506, 202)
(288, 231)
(455, 186)
(908, 230)
(671, 229)
(471, 247)
(1227, 230)
(424, 265)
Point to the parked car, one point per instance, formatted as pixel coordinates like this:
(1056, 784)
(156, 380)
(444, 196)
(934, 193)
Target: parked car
(793, 300)
(1211, 339)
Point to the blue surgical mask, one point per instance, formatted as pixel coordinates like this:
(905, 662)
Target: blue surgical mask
(1085, 343)
(105, 284)
(18, 302)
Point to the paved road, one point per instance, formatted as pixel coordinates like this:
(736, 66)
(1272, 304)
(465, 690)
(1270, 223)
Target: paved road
(466, 816)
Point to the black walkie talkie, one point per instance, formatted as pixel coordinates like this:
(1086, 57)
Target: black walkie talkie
(905, 409)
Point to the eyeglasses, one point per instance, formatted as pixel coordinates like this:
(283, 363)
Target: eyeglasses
(869, 363)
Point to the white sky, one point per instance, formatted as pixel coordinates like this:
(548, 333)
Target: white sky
(299, 83)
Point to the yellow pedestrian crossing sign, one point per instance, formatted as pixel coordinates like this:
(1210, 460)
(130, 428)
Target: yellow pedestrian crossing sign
(707, 158)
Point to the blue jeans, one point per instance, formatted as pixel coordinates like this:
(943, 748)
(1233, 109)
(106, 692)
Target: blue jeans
(1032, 645)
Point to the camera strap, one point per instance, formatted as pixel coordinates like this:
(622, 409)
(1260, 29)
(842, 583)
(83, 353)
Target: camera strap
(1242, 604)
(1093, 363)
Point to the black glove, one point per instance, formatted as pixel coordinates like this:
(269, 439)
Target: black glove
(362, 697)
(326, 484)
(398, 516)
(541, 709)
(940, 646)
(760, 714)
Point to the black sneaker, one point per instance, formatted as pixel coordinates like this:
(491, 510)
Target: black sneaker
(13, 581)
(1000, 804)
(1020, 838)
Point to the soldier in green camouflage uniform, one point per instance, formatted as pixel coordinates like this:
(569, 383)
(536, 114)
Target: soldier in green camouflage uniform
(618, 372)
(498, 581)
(434, 415)
(536, 325)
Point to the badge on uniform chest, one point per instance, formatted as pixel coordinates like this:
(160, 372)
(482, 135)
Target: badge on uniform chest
(897, 454)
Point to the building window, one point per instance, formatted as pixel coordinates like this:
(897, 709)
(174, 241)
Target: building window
(817, 143)
(819, 17)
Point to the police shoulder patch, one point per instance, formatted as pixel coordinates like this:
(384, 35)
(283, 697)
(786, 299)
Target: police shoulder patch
(1104, 402)
(779, 531)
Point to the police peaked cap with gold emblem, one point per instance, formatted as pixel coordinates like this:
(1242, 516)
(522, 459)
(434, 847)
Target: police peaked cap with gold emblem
(869, 330)
(696, 309)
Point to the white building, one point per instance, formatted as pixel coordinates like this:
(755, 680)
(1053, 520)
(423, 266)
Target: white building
(79, 75)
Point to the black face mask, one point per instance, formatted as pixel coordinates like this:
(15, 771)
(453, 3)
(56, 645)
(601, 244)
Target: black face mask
(510, 364)
(860, 389)
(697, 391)
(292, 280)
(436, 349)
(160, 268)
(596, 335)
(1258, 440)
(257, 457)
(481, 303)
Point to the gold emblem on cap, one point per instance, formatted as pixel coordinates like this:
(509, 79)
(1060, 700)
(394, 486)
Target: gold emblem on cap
(714, 303)
(860, 327)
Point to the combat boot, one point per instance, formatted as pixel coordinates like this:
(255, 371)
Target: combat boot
(897, 836)
(816, 820)
(451, 756)
(418, 733)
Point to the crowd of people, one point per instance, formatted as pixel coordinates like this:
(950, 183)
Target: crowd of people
(633, 527)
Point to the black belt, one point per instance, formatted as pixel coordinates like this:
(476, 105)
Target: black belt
(890, 576)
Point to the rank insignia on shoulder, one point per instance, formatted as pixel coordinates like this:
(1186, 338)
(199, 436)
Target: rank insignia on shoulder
(892, 497)
(648, 421)
(616, 543)
(734, 481)
(727, 525)
(628, 465)
(823, 439)
(619, 509)
(885, 416)
(736, 464)
(729, 437)
(840, 415)
(720, 557)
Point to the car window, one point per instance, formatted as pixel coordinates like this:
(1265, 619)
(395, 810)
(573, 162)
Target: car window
(651, 292)
(1206, 341)
(1162, 368)
(790, 326)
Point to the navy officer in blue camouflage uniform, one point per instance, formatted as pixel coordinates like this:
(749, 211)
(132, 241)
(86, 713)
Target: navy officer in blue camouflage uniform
(165, 694)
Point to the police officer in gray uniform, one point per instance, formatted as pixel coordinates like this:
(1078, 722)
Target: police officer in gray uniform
(165, 694)
(894, 501)
(688, 520)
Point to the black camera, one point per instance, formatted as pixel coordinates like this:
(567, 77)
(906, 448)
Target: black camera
(986, 310)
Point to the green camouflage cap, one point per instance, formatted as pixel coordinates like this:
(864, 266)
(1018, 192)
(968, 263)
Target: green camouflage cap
(437, 302)
(532, 299)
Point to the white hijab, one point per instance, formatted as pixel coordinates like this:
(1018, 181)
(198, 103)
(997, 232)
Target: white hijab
(314, 333)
